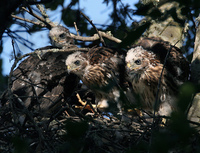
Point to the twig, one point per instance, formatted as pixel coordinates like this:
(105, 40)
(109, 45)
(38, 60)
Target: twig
(44, 14)
(96, 37)
(42, 10)
(49, 24)
(76, 29)
(14, 52)
(39, 23)
(126, 12)
(90, 21)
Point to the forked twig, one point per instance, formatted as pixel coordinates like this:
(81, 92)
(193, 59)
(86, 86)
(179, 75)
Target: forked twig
(76, 29)
(90, 21)
(39, 23)
(96, 37)
(46, 20)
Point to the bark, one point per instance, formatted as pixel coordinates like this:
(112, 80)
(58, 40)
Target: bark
(169, 29)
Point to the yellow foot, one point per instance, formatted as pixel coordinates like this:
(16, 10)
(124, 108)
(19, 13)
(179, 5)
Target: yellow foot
(85, 105)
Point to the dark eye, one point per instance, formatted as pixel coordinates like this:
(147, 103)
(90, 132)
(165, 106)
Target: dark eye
(138, 62)
(62, 35)
(77, 62)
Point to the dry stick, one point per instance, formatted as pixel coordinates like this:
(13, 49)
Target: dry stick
(13, 43)
(127, 11)
(39, 23)
(90, 21)
(49, 25)
(44, 14)
(76, 29)
(96, 37)
(43, 11)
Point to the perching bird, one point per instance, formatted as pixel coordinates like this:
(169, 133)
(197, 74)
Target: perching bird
(145, 63)
(42, 84)
(60, 37)
(102, 70)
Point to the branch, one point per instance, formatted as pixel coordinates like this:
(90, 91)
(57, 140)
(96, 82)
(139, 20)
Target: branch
(96, 37)
(76, 29)
(101, 39)
(39, 23)
(49, 24)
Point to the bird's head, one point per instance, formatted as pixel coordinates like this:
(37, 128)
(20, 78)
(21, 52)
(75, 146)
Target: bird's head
(76, 63)
(60, 36)
(136, 62)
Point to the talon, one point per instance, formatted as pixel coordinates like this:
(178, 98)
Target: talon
(85, 105)
(80, 100)
(163, 122)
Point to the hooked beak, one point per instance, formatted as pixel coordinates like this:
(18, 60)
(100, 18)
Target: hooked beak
(68, 67)
(71, 69)
(131, 67)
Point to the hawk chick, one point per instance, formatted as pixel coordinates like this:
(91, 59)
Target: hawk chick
(60, 37)
(101, 70)
(144, 67)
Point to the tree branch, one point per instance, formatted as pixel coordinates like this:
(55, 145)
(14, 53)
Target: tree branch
(90, 21)
(46, 21)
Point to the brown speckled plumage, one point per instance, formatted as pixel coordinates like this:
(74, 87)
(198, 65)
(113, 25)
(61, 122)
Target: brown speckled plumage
(144, 65)
(100, 69)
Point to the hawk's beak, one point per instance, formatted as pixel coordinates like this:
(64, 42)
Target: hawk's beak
(55, 38)
(68, 67)
(128, 65)
(131, 67)
(71, 69)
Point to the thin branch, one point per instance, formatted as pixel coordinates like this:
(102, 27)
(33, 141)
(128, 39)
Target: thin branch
(49, 24)
(90, 21)
(126, 12)
(13, 45)
(76, 29)
(96, 37)
(39, 23)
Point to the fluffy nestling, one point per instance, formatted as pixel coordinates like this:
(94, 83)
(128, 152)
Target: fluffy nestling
(101, 69)
(145, 63)
(60, 37)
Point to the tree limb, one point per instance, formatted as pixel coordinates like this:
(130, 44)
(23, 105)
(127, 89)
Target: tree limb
(100, 37)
